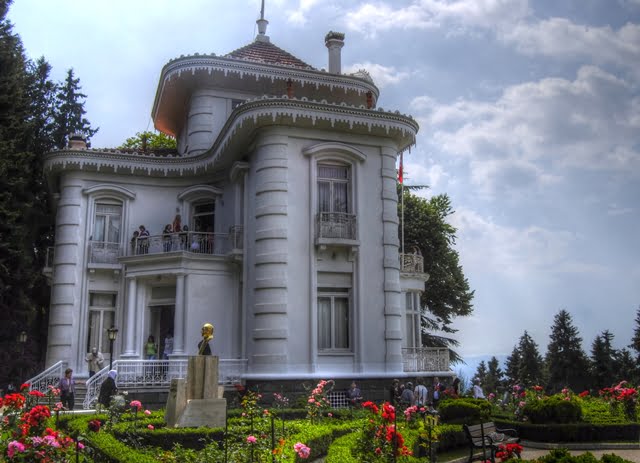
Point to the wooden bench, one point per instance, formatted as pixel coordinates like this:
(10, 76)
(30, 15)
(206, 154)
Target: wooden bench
(486, 437)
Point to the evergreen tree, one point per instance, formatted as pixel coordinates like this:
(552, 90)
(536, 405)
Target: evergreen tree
(566, 362)
(494, 379)
(635, 340)
(530, 369)
(481, 373)
(603, 359)
(16, 199)
(69, 115)
(512, 366)
(447, 295)
(625, 366)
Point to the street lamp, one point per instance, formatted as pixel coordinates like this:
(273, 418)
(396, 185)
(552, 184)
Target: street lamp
(22, 339)
(113, 334)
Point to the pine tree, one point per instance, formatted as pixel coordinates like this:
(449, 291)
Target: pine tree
(530, 367)
(566, 362)
(625, 367)
(494, 379)
(481, 373)
(69, 115)
(16, 199)
(603, 358)
(635, 340)
(512, 366)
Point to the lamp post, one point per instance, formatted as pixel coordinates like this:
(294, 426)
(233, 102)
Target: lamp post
(22, 339)
(113, 334)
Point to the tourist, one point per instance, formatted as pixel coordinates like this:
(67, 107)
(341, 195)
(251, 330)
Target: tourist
(134, 242)
(477, 391)
(420, 394)
(455, 388)
(168, 346)
(395, 392)
(143, 239)
(437, 390)
(95, 360)
(150, 348)
(166, 238)
(354, 395)
(108, 389)
(67, 386)
(406, 399)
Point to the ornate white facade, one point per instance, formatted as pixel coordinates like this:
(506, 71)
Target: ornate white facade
(285, 176)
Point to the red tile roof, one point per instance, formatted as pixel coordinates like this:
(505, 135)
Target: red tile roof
(266, 52)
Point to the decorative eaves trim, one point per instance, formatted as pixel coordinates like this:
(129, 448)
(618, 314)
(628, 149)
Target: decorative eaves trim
(237, 169)
(191, 64)
(108, 188)
(334, 147)
(244, 121)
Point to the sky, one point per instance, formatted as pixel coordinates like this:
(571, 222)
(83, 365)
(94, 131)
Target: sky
(529, 114)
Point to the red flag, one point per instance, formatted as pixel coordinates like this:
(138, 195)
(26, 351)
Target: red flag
(400, 170)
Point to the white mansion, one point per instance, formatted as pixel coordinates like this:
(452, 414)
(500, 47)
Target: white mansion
(285, 183)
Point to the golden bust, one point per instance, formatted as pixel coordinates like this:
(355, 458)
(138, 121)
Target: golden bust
(207, 335)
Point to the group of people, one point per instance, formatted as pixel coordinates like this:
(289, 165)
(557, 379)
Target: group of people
(175, 237)
(406, 395)
(67, 386)
(151, 347)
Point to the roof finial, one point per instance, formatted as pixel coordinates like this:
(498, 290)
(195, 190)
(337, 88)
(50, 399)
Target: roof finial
(262, 26)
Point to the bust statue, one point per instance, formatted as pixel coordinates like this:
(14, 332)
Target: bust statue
(207, 335)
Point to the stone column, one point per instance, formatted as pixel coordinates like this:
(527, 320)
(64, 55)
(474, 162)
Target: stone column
(178, 317)
(67, 271)
(270, 333)
(391, 263)
(130, 328)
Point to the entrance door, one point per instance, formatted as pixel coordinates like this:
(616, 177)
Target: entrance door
(161, 325)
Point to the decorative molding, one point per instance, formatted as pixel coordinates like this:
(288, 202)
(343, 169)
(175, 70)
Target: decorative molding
(335, 148)
(109, 188)
(199, 191)
(237, 169)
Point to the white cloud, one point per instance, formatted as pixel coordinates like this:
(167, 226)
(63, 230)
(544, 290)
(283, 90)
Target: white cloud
(533, 129)
(530, 252)
(299, 15)
(381, 75)
(370, 18)
(561, 38)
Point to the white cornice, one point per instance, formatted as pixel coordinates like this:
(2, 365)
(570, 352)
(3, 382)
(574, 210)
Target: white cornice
(211, 63)
(238, 131)
(335, 147)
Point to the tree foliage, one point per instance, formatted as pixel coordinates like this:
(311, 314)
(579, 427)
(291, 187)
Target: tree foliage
(69, 112)
(150, 141)
(447, 294)
(635, 340)
(525, 365)
(603, 360)
(566, 362)
(494, 380)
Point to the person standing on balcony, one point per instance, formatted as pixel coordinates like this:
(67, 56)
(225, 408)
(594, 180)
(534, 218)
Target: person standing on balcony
(150, 348)
(67, 386)
(166, 238)
(168, 346)
(177, 224)
(143, 240)
(95, 360)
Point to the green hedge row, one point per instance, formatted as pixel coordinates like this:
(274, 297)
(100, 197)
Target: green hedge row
(575, 432)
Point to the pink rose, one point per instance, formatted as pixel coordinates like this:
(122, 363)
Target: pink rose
(251, 439)
(151, 427)
(147, 412)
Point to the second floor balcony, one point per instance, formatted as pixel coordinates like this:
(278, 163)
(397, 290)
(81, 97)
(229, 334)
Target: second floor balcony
(105, 254)
(412, 262)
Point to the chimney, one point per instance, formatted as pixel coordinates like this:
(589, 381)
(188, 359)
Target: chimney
(334, 42)
(77, 141)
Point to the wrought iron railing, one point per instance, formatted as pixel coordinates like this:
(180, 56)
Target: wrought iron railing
(103, 252)
(194, 242)
(156, 374)
(411, 263)
(49, 377)
(336, 225)
(417, 359)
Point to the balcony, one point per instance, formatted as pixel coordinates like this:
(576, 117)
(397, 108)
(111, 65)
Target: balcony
(217, 244)
(104, 254)
(336, 228)
(412, 263)
(425, 359)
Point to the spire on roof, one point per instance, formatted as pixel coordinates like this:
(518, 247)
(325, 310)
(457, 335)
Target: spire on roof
(262, 26)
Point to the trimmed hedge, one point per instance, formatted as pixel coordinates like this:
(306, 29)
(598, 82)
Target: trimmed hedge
(464, 411)
(575, 432)
(554, 409)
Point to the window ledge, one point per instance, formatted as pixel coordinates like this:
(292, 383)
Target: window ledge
(334, 353)
(336, 242)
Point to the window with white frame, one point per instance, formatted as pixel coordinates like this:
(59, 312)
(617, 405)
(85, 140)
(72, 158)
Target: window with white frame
(102, 310)
(412, 320)
(107, 222)
(334, 188)
(334, 327)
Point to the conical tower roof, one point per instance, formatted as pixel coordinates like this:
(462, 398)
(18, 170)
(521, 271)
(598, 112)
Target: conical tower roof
(265, 52)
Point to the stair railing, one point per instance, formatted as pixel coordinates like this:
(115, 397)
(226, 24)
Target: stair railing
(49, 377)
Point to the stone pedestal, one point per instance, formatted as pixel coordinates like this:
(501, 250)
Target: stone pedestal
(197, 401)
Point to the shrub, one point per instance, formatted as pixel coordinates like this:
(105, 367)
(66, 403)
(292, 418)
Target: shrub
(553, 409)
(464, 411)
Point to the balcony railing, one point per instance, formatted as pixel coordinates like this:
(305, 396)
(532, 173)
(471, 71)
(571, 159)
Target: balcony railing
(418, 359)
(336, 225)
(411, 263)
(157, 374)
(195, 242)
(103, 252)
